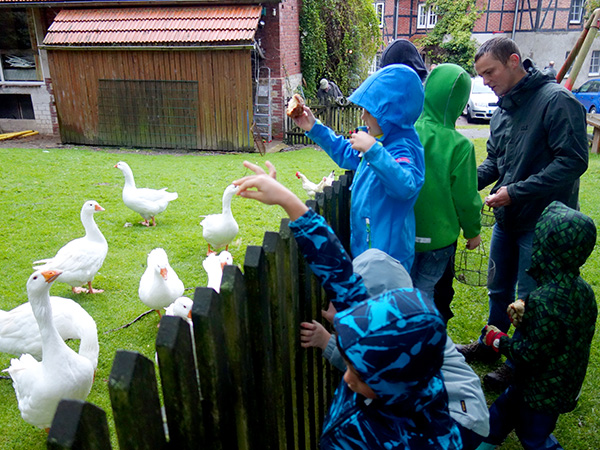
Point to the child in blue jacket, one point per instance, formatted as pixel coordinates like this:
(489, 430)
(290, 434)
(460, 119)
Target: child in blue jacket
(388, 161)
(392, 395)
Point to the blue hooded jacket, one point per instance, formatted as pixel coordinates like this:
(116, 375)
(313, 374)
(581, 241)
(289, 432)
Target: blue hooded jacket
(395, 341)
(390, 174)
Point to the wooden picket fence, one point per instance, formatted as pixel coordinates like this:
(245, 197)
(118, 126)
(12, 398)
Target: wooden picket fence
(341, 119)
(258, 388)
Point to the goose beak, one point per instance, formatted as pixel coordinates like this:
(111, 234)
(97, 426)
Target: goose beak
(163, 273)
(116, 166)
(99, 208)
(51, 275)
(223, 264)
(189, 315)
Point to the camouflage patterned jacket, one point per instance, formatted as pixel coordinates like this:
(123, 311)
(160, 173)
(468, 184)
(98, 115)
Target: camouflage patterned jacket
(395, 341)
(551, 353)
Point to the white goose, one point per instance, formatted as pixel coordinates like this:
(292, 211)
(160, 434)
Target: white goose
(214, 265)
(62, 373)
(181, 307)
(159, 285)
(219, 230)
(80, 259)
(19, 332)
(145, 201)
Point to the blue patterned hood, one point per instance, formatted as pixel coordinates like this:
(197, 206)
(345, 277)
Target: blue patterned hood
(396, 343)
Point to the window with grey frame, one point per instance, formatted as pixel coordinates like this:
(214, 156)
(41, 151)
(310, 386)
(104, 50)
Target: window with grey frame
(576, 12)
(595, 63)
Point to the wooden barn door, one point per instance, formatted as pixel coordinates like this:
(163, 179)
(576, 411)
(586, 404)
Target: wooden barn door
(148, 113)
(154, 99)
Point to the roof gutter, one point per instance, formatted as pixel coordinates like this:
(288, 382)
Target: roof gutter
(147, 47)
(514, 28)
(100, 4)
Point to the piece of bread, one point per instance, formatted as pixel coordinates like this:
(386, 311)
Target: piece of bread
(295, 107)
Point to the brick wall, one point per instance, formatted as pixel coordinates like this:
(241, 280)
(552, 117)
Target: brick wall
(45, 121)
(280, 40)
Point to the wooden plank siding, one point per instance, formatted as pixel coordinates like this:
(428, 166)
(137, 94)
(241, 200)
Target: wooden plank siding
(223, 108)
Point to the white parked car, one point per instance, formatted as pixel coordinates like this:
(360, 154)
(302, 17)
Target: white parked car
(482, 101)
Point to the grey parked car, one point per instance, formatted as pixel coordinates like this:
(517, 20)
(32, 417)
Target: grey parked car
(482, 101)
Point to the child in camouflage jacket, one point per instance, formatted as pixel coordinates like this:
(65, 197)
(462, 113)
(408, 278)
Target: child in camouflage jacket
(555, 325)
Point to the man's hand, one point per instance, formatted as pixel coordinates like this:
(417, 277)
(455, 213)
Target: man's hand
(307, 120)
(362, 141)
(500, 198)
(492, 336)
(515, 312)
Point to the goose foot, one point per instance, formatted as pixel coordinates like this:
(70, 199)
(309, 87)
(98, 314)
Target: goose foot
(90, 290)
(146, 223)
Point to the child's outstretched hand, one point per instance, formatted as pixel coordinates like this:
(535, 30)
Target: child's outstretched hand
(259, 170)
(313, 334)
(307, 120)
(266, 189)
(362, 141)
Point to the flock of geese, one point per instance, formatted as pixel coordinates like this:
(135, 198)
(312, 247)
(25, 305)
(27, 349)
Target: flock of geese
(48, 370)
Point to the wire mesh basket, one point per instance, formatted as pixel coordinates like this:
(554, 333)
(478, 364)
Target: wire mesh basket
(474, 267)
(487, 216)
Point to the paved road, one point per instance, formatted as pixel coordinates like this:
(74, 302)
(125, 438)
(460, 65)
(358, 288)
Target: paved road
(472, 133)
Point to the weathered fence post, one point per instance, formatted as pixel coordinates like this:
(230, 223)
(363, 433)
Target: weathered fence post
(292, 317)
(344, 181)
(273, 248)
(78, 425)
(235, 321)
(261, 342)
(220, 431)
(134, 398)
(179, 383)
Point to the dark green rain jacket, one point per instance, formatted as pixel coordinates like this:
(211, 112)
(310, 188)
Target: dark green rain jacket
(537, 148)
(552, 352)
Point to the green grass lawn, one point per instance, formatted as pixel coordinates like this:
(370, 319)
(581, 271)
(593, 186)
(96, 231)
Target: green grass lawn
(41, 194)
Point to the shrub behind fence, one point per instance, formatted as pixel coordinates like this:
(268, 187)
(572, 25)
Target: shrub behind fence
(258, 388)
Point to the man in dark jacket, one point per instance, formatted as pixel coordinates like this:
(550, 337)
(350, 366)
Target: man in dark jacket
(537, 151)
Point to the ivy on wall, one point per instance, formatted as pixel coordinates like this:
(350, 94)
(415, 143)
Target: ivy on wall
(450, 41)
(338, 40)
(590, 6)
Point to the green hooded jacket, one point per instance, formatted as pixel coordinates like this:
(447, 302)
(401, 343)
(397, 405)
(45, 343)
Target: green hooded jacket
(449, 199)
(552, 350)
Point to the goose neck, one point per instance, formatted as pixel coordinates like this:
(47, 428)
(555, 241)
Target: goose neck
(129, 180)
(91, 228)
(42, 311)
